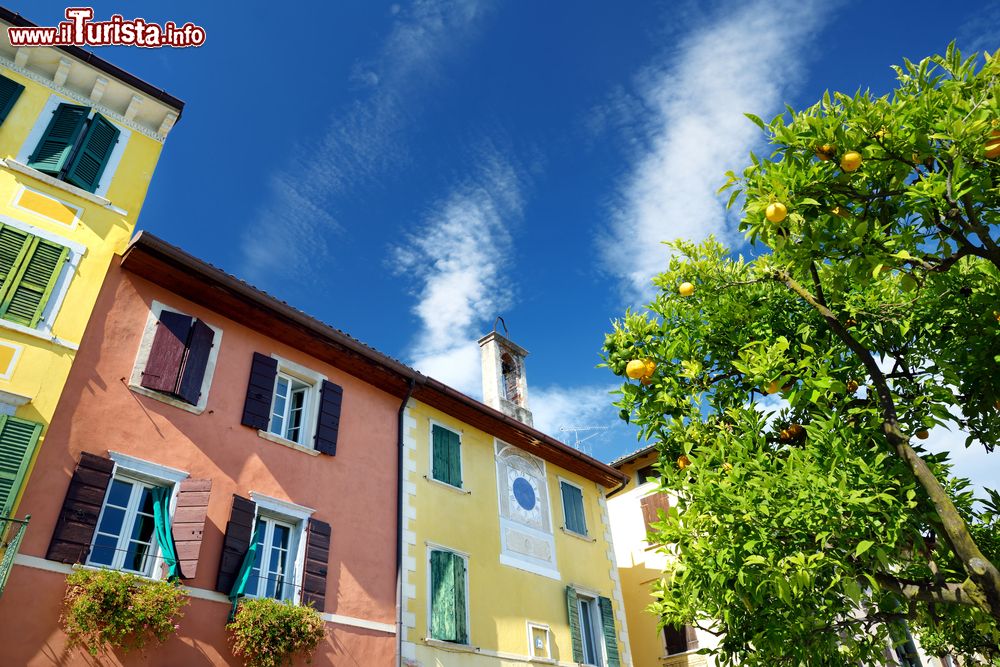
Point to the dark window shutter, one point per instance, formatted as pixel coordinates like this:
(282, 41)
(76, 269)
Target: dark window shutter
(328, 424)
(239, 530)
(446, 465)
(257, 407)
(77, 521)
(448, 597)
(89, 162)
(316, 565)
(199, 346)
(188, 523)
(573, 610)
(10, 90)
(18, 438)
(651, 505)
(163, 367)
(610, 639)
(675, 637)
(455, 459)
(33, 282)
(56, 145)
(572, 499)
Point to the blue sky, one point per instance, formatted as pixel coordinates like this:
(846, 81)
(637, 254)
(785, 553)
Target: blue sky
(408, 171)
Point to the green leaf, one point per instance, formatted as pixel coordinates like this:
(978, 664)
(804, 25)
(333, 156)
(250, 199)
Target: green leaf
(863, 546)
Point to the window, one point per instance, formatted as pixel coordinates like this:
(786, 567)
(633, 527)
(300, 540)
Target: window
(647, 474)
(449, 619)
(592, 629)
(538, 641)
(10, 90)
(30, 266)
(446, 456)
(18, 438)
(75, 147)
(589, 611)
(573, 515)
(124, 539)
(511, 378)
(273, 571)
(679, 639)
(176, 356)
(288, 410)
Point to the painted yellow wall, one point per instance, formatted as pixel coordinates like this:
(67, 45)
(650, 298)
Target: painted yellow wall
(502, 599)
(43, 366)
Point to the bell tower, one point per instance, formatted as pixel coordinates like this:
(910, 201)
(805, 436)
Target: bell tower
(505, 386)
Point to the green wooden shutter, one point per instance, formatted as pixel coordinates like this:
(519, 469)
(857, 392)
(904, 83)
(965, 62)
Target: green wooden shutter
(95, 151)
(13, 247)
(572, 499)
(33, 282)
(10, 90)
(572, 609)
(56, 145)
(443, 597)
(610, 640)
(454, 459)
(18, 438)
(458, 569)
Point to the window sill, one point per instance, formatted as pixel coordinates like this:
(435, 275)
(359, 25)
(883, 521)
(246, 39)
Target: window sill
(278, 440)
(14, 165)
(102, 568)
(464, 492)
(39, 334)
(451, 646)
(169, 400)
(573, 533)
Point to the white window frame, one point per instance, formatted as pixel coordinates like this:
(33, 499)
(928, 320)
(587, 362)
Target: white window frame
(147, 473)
(297, 517)
(142, 358)
(431, 547)
(583, 506)
(592, 602)
(38, 130)
(315, 381)
(531, 640)
(461, 457)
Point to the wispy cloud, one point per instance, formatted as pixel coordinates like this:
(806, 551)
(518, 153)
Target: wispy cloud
(361, 141)
(457, 259)
(571, 407)
(695, 130)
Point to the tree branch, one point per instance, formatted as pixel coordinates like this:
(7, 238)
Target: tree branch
(917, 591)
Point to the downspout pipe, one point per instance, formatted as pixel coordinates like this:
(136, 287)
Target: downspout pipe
(623, 485)
(399, 524)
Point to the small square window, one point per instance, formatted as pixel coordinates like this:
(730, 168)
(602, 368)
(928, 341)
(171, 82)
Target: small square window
(125, 536)
(573, 513)
(538, 637)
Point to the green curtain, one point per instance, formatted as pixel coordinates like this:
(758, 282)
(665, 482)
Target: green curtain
(164, 537)
(243, 576)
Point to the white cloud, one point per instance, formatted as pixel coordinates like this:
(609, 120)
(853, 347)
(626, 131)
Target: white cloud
(457, 259)
(744, 62)
(973, 463)
(557, 407)
(361, 141)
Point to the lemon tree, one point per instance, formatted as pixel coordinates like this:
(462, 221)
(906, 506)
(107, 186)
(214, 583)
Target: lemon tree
(809, 521)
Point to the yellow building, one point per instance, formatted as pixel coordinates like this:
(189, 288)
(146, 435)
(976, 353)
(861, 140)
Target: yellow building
(507, 553)
(640, 564)
(79, 140)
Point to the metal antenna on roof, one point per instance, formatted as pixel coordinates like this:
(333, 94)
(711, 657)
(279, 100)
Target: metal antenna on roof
(578, 441)
(499, 319)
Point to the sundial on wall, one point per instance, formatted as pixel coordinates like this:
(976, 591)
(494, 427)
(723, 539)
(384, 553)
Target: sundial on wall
(524, 496)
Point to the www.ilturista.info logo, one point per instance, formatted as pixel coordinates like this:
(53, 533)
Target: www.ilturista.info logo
(81, 30)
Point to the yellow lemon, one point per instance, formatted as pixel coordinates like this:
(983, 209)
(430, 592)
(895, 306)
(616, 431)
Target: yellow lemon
(686, 289)
(683, 461)
(851, 161)
(776, 212)
(650, 366)
(825, 152)
(993, 145)
(922, 434)
(636, 369)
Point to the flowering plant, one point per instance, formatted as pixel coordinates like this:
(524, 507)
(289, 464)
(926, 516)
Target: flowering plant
(268, 633)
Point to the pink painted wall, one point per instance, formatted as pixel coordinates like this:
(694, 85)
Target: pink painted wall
(354, 491)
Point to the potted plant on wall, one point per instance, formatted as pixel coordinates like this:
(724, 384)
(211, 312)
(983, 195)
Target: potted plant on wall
(108, 609)
(269, 633)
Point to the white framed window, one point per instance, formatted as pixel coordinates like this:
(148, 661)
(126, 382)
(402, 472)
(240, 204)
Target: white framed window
(591, 635)
(574, 516)
(538, 641)
(295, 403)
(448, 603)
(280, 554)
(125, 537)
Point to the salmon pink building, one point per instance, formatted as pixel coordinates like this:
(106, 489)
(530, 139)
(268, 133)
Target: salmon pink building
(249, 422)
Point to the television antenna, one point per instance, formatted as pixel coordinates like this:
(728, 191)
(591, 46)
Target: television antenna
(577, 440)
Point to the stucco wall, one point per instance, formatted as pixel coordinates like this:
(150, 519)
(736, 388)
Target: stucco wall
(353, 491)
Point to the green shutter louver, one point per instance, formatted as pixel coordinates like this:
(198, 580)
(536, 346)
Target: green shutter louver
(13, 247)
(610, 640)
(18, 438)
(572, 498)
(448, 601)
(573, 610)
(56, 145)
(10, 90)
(446, 450)
(25, 297)
(94, 153)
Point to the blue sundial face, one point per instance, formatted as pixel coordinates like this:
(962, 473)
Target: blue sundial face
(524, 494)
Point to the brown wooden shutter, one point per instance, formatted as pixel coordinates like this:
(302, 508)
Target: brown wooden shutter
(239, 530)
(328, 424)
(317, 563)
(199, 346)
(163, 367)
(650, 506)
(257, 407)
(188, 523)
(81, 508)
